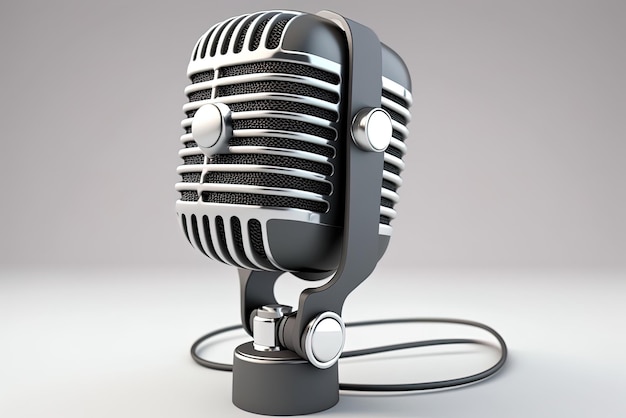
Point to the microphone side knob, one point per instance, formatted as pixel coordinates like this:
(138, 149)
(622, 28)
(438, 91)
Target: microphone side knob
(372, 129)
(323, 339)
(212, 128)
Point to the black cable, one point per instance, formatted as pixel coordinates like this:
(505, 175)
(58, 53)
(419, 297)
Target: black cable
(441, 384)
(207, 363)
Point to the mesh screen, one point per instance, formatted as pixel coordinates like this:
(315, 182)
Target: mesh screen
(256, 238)
(235, 225)
(267, 180)
(242, 35)
(280, 67)
(221, 232)
(218, 35)
(395, 98)
(286, 106)
(398, 135)
(273, 40)
(273, 160)
(205, 44)
(285, 125)
(183, 218)
(395, 115)
(258, 33)
(188, 196)
(195, 51)
(207, 232)
(386, 202)
(229, 35)
(392, 169)
(390, 186)
(278, 87)
(283, 143)
(236, 37)
(394, 151)
(264, 200)
(199, 95)
(202, 76)
(191, 177)
(196, 234)
(193, 159)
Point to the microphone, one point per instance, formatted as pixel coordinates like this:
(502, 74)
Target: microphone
(292, 154)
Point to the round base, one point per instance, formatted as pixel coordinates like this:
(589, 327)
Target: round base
(281, 383)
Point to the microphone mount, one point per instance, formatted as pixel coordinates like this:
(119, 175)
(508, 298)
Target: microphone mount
(313, 335)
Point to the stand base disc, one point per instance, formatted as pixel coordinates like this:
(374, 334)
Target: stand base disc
(281, 383)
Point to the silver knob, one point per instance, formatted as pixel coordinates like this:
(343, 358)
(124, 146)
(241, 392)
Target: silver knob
(211, 128)
(324, 338)
(372, 129)
(265, 327)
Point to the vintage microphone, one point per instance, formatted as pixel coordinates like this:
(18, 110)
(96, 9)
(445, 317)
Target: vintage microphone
(293, 147)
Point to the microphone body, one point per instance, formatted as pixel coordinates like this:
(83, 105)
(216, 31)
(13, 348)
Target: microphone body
(274, 200)
(292, 154)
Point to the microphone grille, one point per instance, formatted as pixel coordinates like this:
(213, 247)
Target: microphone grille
(396, 100)
(284, 159)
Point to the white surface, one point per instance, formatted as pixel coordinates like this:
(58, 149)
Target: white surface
(115, 343)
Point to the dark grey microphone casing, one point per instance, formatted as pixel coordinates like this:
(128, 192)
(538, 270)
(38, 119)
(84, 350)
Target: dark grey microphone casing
(263, 189)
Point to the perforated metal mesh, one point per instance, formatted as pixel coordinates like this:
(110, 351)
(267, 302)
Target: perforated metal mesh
(194, 159)
(235, 225)
(394, 98)
(392, 169)
(189, 196)
(394, 151)
(216, 40)
(196, 233)
(391, 150)
(205, 43)
(278, 87)
(280, 67)
(283, 143)
(229, 34)
(196, 96)
(191, 177)
(273, 40)
(258, 32)
(273, 160)
(256, 238)
(264, 31)
(389, 185)
(285, 106)
(202, 76)
(395, 115)
(207, 233)
(221, 232)
(264, 201)
(290, 125)
(183, 219)
(268, 180)
(242, 35)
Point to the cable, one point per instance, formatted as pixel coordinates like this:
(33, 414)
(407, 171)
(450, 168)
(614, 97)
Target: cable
(441, 384)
